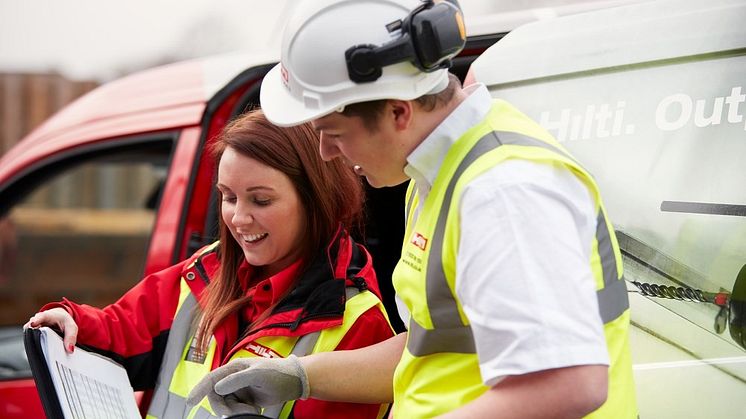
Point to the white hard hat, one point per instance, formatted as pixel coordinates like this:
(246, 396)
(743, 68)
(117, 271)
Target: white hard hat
(313, 79)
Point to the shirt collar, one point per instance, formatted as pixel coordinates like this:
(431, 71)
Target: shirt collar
(424, 162)
(273, 287)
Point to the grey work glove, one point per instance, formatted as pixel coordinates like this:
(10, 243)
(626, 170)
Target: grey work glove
(247, 382)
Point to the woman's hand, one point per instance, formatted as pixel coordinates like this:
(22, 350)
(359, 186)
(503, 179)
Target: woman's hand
(57, 317)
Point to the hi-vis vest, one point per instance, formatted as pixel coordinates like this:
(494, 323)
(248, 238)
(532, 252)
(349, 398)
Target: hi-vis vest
(182, 366)
(439, 369)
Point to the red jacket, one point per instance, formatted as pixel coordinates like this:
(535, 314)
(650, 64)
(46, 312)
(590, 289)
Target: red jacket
(134, 330)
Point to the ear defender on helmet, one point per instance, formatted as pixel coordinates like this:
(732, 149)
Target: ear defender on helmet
(431, 35)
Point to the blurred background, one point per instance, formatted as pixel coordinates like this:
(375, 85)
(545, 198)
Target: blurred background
(103, 40)
(54, 51)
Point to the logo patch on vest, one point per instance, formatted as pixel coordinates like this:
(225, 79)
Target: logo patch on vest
(194, 354)
(419, 240)
(261, 350)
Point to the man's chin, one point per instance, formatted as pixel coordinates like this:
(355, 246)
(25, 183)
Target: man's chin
(372, 182)
(378, 183)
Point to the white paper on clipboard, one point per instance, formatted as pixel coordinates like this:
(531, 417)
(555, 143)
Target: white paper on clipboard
(88, 385)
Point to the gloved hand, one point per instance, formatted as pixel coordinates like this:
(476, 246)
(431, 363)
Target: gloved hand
(247, 382)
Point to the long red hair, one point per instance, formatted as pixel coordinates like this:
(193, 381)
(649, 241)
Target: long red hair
(330, 192)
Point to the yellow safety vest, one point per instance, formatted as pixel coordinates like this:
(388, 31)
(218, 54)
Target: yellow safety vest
(179, 372)
(439, 369)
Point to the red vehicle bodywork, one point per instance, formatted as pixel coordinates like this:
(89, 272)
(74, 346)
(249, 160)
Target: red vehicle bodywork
(192, 100)
(176, 98)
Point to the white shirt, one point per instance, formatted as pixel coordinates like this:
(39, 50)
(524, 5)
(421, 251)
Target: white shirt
(522, 272)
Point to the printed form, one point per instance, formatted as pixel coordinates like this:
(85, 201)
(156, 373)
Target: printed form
(88, 385)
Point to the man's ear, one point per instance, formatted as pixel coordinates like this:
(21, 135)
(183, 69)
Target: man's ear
(401, 112)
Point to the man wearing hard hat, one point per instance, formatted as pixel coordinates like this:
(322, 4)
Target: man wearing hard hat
(510, 277)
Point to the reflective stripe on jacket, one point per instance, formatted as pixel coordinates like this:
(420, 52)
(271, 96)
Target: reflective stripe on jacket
(439, 369)
(182, 369)
(333, 293)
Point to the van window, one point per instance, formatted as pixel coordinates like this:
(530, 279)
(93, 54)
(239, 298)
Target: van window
(82, 232)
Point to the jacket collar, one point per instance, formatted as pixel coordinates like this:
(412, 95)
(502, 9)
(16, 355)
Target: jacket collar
(317, 301)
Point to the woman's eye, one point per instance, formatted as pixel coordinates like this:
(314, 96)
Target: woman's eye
(229, 199)
(262, 202)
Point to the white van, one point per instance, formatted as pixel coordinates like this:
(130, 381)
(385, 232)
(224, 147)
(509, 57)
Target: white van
(650, 98)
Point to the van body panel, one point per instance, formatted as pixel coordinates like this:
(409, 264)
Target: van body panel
(651, 99)
(610, 39)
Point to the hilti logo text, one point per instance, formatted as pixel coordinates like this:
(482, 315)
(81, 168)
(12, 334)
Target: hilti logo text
(262, 351)
(419, 240)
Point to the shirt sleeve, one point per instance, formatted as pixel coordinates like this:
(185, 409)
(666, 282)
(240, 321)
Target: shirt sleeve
(523, 270)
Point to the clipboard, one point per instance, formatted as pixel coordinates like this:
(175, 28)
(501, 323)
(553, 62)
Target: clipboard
(81, 385)
(42, 378)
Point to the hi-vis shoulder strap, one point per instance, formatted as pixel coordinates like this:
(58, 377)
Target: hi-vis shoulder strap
(167, 404)
(449, 334)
